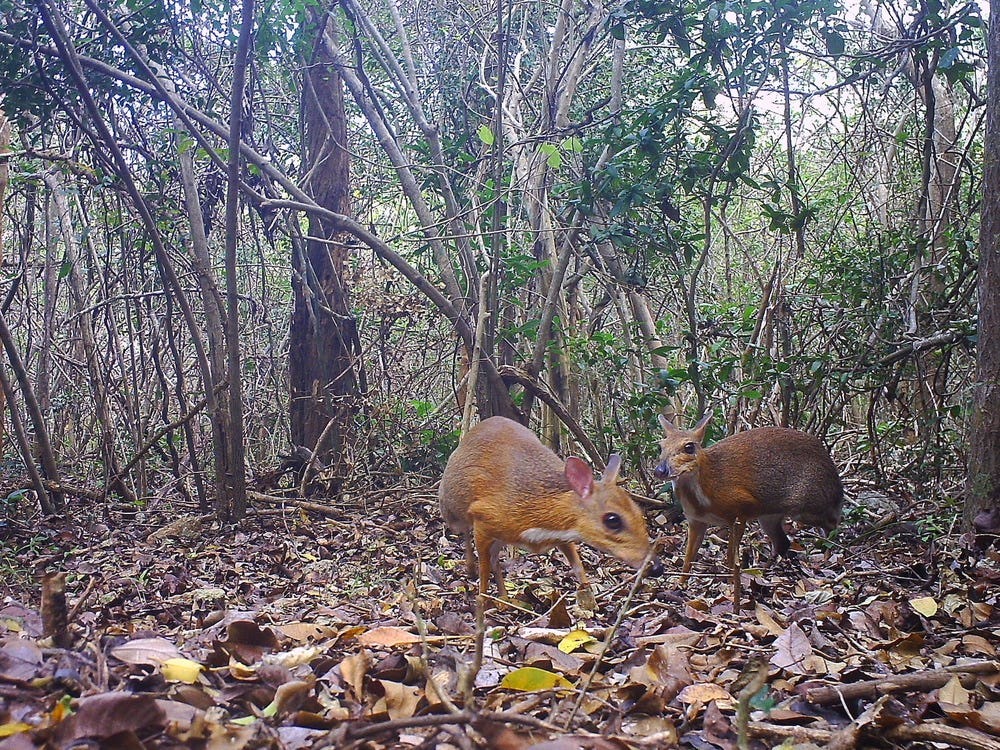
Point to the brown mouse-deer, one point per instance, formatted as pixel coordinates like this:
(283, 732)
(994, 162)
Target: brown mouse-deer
(767, 473)
(502, 487)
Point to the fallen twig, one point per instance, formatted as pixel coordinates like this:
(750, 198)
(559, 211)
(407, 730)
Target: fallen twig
(919, 681)
(852, 736)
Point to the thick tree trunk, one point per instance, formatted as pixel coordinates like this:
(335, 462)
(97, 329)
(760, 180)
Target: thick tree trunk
(323, 380)
(982, 507)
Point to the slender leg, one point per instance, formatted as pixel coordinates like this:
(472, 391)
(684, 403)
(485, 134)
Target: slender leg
(484, 549)
(497, 566)
(470, 558)
(584, 595)
(695, 536)
(732, 557)
(774, 527)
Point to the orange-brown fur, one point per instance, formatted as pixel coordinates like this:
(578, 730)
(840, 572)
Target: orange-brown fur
(501, 483)
(768, 473)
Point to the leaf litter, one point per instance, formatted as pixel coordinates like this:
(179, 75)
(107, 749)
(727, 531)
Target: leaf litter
(296, 631)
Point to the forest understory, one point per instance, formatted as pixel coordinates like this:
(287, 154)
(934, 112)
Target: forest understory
(352, 630)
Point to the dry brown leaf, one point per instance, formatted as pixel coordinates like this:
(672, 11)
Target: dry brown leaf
(19, 660)
(977, 644)
(953, 693)
(704, 692)
(149, 651)
(668, 668)
(248, 640)
(290, 696)
(401, 701)
(388, 637)
(102, 716)
(659, 728)
(766, 618)
(353, 670)
(306, 631)
(793, 651)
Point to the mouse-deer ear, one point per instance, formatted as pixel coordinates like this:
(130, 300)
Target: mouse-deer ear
(614, 466)
(667, 423)
(700, 428)
(580, 476)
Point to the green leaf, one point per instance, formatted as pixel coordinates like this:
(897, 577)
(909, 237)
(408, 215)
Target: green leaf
(834, 43)
(486, 135)
(948, 59)
(64, 269)
(553, 157)
(573, 145)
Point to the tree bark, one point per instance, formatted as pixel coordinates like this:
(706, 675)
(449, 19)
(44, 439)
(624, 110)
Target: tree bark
(323, 336)
(982, 504)
(4, 179)
(63, 227)
(233, 503)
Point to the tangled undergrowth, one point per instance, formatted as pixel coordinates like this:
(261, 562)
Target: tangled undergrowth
(355, 628)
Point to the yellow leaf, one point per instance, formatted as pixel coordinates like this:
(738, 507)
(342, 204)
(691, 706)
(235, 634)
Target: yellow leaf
(181, 670)
(574, 640)
(925, 605)
(528, 679)
(14, 727)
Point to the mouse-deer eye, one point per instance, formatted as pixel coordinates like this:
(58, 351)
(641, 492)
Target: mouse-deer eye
(690, 448)
(613, 522)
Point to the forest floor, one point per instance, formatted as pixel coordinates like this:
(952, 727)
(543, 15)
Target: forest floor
(354, 629)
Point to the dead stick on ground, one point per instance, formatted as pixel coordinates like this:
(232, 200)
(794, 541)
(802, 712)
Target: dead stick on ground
(323, 510)
(971, 739)
(921, 681)
(91, 585)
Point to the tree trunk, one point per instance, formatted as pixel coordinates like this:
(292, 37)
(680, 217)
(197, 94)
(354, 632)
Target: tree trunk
(63, 227)
(4, 179)
(982, 505)
(322, 375)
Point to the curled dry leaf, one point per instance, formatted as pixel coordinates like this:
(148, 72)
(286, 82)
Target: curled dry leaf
(400, 701)
(247, 641)
(353, 670)
(150, 651)
(794, 653)
(291, 695)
